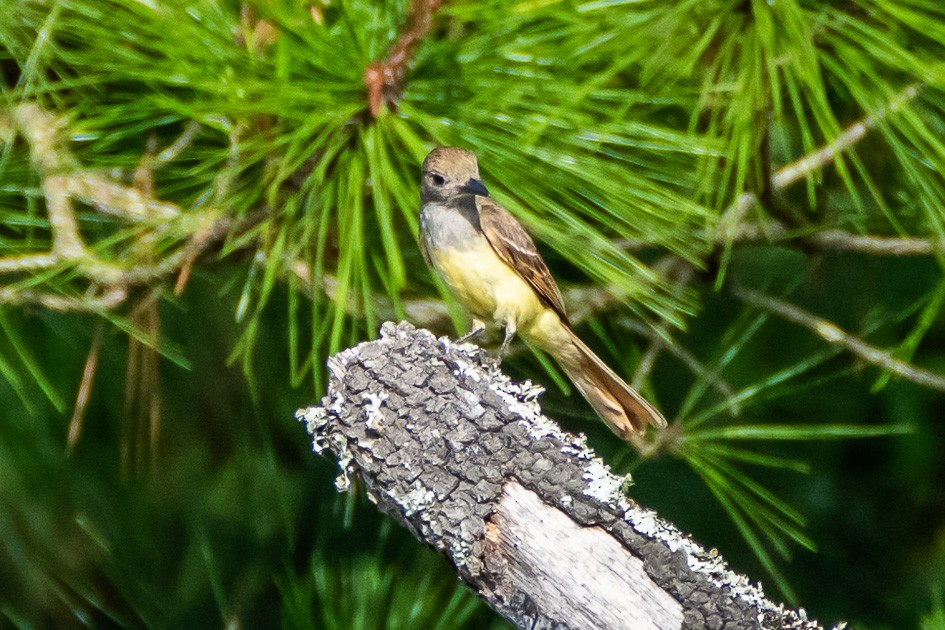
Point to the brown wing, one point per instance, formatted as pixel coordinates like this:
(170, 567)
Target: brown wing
(514, 246)
(424, 250)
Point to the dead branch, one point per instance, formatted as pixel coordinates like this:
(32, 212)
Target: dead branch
(532, 520)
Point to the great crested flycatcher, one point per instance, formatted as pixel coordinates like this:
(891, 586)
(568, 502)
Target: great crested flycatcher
(492, 266)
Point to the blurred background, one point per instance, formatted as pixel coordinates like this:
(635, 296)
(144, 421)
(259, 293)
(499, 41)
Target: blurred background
(743, 201)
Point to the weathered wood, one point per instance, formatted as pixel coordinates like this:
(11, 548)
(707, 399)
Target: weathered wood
(582, 574)
(533, 521)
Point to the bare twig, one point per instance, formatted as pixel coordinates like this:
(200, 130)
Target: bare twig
(66, 240)
(200, 241)
(383, 78)
(731, 219)
(787, 175)
(224, 179)
(42, 131)
(648, 360)
(833, 334)
(826, 240)
(85, 390)
(177, 147)
(116, 199)
(838, 240)
(731, 227)
(690, 361)
(64, 181)
(93, 302)
(683, 273)
(28, 262)
(819, 158)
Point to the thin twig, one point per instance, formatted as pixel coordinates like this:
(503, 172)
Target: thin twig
(177, 147)
(28, 262)
(787, 175)
(85, 390)
(64, 181)
(683, 273)
(690, 361)
(819, 158)
(838, 240)
(383, 78)
(93, 302)
(731, 227)
(43, 132)
(66, 241)
(116, 199)
(833, 334)
(841, 241)
(827, 240)
(731, 219)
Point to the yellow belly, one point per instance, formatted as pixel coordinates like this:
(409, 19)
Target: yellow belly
(492, 291)
(486, 285)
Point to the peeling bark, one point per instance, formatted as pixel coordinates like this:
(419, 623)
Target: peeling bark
(532, 520)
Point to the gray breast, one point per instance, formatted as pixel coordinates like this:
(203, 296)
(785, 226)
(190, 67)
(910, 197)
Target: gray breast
(450, 226)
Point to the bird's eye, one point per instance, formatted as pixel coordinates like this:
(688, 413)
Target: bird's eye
(438, 179)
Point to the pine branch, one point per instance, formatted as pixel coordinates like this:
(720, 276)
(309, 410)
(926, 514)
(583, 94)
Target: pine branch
(732, 228)
(816, 160)
(383, 79)
(63, 181)
(833, 334)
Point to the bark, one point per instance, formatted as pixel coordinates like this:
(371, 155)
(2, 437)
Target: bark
(532, 520)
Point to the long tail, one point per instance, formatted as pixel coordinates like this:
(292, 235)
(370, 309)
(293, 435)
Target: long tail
(619, 405)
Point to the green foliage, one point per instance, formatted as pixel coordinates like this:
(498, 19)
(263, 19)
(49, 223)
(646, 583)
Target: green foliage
(623, 134)
(238, 522)
(369, 594)
(934, 620)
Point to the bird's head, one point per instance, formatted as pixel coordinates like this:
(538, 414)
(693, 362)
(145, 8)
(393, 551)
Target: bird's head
(449, 172)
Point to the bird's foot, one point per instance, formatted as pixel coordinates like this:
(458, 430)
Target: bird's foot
(478, 327)
(510, 329)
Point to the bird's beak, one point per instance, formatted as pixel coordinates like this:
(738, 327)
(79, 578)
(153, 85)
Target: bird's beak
(475, 187)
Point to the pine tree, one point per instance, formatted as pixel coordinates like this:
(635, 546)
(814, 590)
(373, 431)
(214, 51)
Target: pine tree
(744, 202)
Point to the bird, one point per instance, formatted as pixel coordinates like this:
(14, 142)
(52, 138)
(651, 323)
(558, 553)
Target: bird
(492, 266)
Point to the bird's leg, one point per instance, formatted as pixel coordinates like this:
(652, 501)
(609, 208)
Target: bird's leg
(478, 326)
(510, 329)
